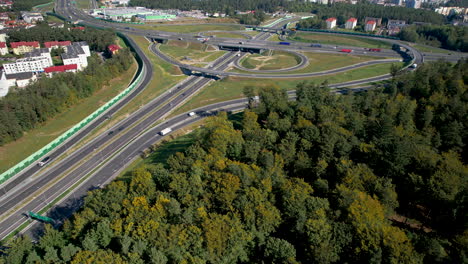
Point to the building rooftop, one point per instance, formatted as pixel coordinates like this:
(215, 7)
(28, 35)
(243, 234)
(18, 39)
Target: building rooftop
(50, 44)
(73, 51)
(19, 76)
(37, 52)
(61, 68)
(331, 19)
(113, 47)
(371, 22)
(24, 43)
(30, 59)
(125, 11)
(352, 20)
(3, 45)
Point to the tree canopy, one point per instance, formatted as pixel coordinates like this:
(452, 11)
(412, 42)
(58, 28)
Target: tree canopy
(26, 108)
(375, 177)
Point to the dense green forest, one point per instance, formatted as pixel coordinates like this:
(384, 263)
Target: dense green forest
(27, 5)
(447, 37)
(24, 109)
(213, 5)
(376, 177)
(458, 3)
(342, 11)
(97, 39)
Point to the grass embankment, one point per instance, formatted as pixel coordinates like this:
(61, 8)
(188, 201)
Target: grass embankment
(33, 140)
(178, 141)
(332, 39)
(83, 4)
(165, 76)
(53, 19)
(424, 48)
(194, 20)
(225, 35)
(232, 87)
(274, 37)
(251, 33)
(190, 28)
(191, 52)
(47, 7)
(277, 60)
(326, 61)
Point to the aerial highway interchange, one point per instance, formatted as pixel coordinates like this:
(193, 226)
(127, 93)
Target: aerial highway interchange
(103, 158)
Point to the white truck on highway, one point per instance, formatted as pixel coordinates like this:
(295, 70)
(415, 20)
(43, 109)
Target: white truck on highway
(165, 131)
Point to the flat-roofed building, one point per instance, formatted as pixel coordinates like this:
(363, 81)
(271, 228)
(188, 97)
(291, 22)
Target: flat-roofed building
(78, 54)
(34, 61)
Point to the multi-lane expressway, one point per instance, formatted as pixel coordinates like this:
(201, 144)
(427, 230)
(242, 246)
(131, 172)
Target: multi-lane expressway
(111, 151)
(26, 193)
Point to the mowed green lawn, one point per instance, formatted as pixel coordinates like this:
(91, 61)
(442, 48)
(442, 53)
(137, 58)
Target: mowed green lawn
(33, 140)
(327, 61)
(225, 35)
(333, 39)
(278, 60)
(251, 33)
(232, 87)
(83, 4)
(45, 7)
(424, 48)
(198, 52)
(191, 28)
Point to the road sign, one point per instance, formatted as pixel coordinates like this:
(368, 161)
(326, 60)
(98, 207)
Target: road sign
(40, 217)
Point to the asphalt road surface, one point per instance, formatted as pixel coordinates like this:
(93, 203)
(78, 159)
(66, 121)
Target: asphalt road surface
(115, 147)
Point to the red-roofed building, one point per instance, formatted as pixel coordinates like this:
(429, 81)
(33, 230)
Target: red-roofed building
(3, 48)
(62, 68)
(56, 44)
(331, 22)
(351, 23)
(79, 28)
(23, 46)
(370, 25)
(4, 16)
(113, 48)
(6, 3)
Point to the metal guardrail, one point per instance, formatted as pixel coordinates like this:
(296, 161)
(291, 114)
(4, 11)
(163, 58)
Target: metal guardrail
(69, 133)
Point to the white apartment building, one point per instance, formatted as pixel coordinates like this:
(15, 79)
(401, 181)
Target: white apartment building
(3, 37)
(351, 23)
(78, 54)
(370, 25)
(83, 46)
(27, 65)
(34, 61)
(331, 23)
(3, 48)
(31, 17)
(19, 79)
